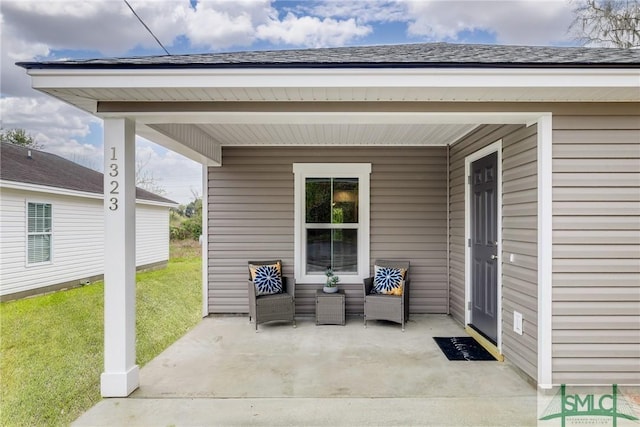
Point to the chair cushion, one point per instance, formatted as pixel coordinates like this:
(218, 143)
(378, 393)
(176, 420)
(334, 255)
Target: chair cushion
(383, 299)
(267, 278)
(274, 298)
(388, 280)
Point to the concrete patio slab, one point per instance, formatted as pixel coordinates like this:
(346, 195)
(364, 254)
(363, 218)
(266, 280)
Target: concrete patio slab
(224, 373)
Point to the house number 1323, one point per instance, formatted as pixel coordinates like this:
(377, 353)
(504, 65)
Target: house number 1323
(114, 184)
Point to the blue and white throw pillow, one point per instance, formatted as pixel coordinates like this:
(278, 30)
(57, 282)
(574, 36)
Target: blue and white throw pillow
(387, 280)
(267, 279)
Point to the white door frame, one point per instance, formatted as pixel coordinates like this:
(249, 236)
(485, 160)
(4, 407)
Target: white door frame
(495, 147)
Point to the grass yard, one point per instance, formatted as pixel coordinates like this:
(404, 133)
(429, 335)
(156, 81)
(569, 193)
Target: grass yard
(51, 346)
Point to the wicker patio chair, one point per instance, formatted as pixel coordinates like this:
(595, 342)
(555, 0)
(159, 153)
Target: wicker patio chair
(394, 308)
(267, 308)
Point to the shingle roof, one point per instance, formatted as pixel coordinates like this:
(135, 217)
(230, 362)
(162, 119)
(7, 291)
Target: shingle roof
(426, 55)
(50, 170)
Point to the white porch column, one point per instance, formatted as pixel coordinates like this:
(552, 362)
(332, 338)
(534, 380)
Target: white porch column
(205, 240)
(120, 375)
(545, 251)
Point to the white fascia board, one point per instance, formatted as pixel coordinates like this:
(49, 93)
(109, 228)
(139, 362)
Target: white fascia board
(336, 78)
(72, 193)
(49, 190)
(156, 203)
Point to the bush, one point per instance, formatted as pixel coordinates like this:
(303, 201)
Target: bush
(193, 226)
(177, 233)
(186, 223)
(189, 229)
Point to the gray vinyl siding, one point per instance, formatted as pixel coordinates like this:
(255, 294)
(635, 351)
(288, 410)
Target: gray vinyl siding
(596, 249)
(250, 205)
(519, 234)
(520, 238)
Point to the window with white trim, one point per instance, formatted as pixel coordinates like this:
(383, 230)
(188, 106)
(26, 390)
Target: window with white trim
(39, 222)
(332, 221)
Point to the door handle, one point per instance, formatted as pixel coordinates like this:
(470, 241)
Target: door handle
(494, 256)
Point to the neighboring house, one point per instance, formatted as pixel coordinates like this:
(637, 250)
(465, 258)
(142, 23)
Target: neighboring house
(52, 224)
(508, 176)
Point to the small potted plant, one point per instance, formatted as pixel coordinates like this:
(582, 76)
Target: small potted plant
(331, 286)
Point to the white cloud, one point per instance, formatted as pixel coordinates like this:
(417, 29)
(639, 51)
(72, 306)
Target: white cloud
(40, 29)
(110, 28)
(528, 22)
(220, 25)
(60, 128)
(13, 48)
(312, 31)
(31, 30)
(48, 120)
(105, 26)
(180, 177)
(364, 11)
(537, 22)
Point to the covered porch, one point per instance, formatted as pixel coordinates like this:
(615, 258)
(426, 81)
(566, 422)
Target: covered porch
(223, 373)
(419, 210)
(384, 106)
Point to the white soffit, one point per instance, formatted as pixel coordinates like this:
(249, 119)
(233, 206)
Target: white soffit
(86, 98)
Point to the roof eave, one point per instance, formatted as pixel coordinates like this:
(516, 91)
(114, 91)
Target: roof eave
(40, 188)
(321, 65)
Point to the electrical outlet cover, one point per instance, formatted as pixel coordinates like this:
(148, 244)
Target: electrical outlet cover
(517, 322)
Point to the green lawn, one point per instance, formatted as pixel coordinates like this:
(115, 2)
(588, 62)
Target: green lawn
(51, 346)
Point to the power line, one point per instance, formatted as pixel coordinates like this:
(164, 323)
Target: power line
(145, 25)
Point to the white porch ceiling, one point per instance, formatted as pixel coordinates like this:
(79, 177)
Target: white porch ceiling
(335, 134)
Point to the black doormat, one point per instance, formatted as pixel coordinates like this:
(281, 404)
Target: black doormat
(462, 348)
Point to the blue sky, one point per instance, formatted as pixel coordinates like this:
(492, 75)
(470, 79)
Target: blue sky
(50, 29)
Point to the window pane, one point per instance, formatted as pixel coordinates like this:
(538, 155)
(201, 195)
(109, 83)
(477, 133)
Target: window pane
(345, 201)
(46, 248)
(47, 218)
(318, 250)
(31, 215)
(345, 251)
(38, 217)
(39, 249)
(39, 221)
(341, 253)
(318, 200)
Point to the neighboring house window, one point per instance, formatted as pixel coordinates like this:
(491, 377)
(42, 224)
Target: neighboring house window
(38, 232)
(332, 221)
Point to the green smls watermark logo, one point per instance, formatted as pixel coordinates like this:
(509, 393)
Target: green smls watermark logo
(565, 405)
